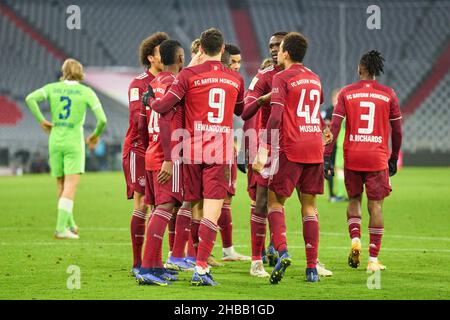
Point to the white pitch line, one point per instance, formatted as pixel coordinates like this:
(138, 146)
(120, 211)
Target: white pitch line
(322, 233)
(100, 244)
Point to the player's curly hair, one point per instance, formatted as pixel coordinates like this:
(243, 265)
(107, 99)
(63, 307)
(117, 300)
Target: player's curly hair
(296, 45)
(148, 45)
(211, 40)
(72, 70)
(372, 61)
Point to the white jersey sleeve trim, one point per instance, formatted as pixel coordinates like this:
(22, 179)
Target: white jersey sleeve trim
(170, 91)
(338, 115)
(395, 119)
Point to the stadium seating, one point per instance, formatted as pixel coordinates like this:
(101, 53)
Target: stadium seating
(428, 128)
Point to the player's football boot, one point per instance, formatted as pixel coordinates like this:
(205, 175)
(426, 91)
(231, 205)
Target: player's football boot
(74, 229)
(164, 274)
(67, 234)
(205, 279)
(135, 271)
(375, 266)
(230, 254)
(354, 256)
(257, 270)
(191, 260)
(178, 264)
(322, 271)
(149, 278)
(264, 256)
(280, 268)
(213, 262)
(272, 255)
(312, 275)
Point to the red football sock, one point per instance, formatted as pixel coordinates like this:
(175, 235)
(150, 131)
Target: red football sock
(171, 227)
(354, 227)
(182, 231)
(277, 226)
(207, 234)
(190, 247)
(195, 225)
(258, 223)
(137, 231)
(375, 241)
(155, 234)
(226, 226)
(311, 237)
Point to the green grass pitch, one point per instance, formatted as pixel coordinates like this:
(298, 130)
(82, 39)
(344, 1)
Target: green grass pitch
(416, 245)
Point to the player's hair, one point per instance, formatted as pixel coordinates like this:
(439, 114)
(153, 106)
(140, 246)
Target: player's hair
(195, 45)
(232, 49)
(372, 61)
(279, 34)
(72, 70)
(226, 58)
(266, 63)
(148, 45)
(296, 45)
(211, 40)
(168, 50)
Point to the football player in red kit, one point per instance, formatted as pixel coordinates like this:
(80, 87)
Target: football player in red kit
(295, 101)
(370, 108)
(133, 149)
(212, 93)
(163, 174)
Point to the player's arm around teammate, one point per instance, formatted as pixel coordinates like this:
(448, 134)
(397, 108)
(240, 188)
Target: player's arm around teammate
(68, 101)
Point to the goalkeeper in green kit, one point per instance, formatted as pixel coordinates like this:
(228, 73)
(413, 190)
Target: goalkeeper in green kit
(68, 100)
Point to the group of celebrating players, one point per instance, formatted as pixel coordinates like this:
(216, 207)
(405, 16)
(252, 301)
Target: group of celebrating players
(180, 160)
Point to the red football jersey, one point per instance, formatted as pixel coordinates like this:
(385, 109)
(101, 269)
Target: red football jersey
(368, 106)
(299, 91)
(211, 92)
(261, 85)
(137, 87)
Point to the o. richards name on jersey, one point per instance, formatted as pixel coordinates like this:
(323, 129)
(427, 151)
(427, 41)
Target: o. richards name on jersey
(365, 138)
(207, 81)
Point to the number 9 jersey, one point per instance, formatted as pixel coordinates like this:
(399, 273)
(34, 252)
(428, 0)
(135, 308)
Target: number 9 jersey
(211, 92)
(368, 107)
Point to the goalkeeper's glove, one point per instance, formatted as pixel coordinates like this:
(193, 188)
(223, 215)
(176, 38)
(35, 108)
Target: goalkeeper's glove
(328, 167)
(146, 95)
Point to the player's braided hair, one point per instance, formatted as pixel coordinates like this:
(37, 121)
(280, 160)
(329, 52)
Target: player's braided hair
(372, 61)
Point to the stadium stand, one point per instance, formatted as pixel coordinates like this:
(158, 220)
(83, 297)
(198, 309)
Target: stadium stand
(35, 40)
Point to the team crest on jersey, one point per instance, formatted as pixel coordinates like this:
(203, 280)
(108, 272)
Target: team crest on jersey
(141, 180)
(134, 94)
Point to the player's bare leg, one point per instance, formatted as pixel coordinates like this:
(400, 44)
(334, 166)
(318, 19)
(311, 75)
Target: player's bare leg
(207, 233)
(137, 229)
(376, 233)
(354, 228)
(67, 187)
(258, 227)
(277, 226)
(310, 234)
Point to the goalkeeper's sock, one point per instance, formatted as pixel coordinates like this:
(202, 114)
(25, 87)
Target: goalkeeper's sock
(65, 207)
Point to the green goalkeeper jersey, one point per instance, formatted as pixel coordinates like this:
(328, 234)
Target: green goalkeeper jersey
(68, 102)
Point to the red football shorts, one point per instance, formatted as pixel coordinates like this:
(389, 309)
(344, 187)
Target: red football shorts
(378, 185)
(169, 192)
(307, 177)
(134, 171)
(251, 182)
(206, 181)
